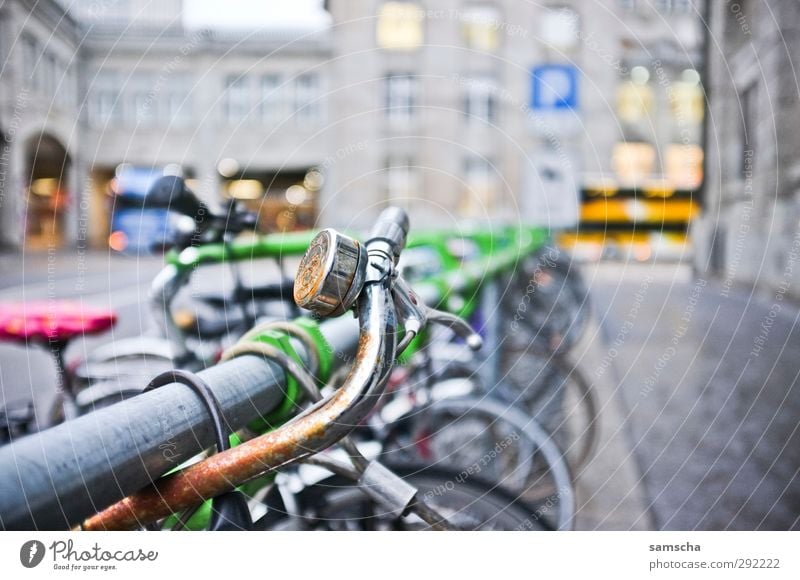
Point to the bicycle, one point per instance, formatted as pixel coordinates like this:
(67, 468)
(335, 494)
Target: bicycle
(116, 371)
(542, 312)
(336, 275)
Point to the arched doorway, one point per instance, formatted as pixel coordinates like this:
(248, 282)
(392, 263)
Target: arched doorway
(46, 192)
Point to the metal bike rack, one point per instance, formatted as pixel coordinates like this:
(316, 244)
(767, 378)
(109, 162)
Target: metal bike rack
(54, 479)
(57, 478)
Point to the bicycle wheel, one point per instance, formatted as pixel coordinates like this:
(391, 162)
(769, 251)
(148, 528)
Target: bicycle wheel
(580, 424)
(469, 504)
(557, 394)
(549, 302)
(494, 440)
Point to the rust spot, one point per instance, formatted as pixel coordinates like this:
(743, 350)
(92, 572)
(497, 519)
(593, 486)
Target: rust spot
(310, 273)
(222, 472)
(364, 344)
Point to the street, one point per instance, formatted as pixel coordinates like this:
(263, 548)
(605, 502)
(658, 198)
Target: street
(696, 382)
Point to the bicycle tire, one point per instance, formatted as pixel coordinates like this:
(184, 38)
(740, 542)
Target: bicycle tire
(337, 504)
(565, 403)
(549, 479)
(557, 308)
(586, 442)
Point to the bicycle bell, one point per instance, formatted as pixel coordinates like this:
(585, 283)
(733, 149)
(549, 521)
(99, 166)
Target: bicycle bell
(331, 274)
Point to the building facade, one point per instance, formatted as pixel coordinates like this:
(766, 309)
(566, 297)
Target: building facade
(560, 113)
(750, 231)
(40, 128)
(510, 110)
(95, 86)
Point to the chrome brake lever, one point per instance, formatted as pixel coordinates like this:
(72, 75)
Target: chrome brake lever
(414, 315)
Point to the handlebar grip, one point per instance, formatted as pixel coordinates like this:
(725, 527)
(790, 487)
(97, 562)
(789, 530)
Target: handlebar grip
(392, 227)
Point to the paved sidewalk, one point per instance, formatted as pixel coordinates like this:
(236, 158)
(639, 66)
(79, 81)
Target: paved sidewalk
(702, 381)
(610, 494)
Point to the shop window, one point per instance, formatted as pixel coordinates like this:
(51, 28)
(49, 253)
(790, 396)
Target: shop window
(683, 165)
(633, 163)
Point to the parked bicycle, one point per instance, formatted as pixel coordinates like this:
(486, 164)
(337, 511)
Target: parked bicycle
(457, 413)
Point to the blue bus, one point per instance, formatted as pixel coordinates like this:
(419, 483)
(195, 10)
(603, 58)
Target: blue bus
(136, 229)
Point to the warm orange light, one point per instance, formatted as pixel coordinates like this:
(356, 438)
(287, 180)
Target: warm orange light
(642, 253)
(118, 241)
(633, 162)
(400, 26)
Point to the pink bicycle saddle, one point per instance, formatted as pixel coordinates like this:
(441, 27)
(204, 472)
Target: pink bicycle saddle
(57, 321)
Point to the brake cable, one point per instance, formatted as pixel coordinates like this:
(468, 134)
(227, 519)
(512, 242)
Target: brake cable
(228, 510)
(352, 277)
(364, 472)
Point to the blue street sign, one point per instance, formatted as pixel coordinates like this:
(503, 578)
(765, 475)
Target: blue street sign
(554, 87)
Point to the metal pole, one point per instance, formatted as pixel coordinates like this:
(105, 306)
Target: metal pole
(57, 478)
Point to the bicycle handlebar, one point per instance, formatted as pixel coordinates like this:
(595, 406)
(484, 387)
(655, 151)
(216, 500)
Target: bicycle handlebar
(56, 478)
(332, 263)
(392, 228)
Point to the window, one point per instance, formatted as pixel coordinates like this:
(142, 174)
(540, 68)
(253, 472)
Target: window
(481, 106)
(481, 180)
(400, 26)
(61, 82)
(687, 102)
(673, 6)
(50, 76)
(663, 6)
(559, 28)
(30, 58)
(480, 26)
(177, 108)
(237, 98)
(633, 163)
(683, 165)
(306, 98)
(402, 180)
(67, 94)
(635, 97)
(104, 105)
(272, 102)
(400, 97)
(142, 103)
(681, 6)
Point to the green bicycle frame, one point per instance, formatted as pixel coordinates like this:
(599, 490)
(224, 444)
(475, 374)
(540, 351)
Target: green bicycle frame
(455, 288)
(499, 251)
